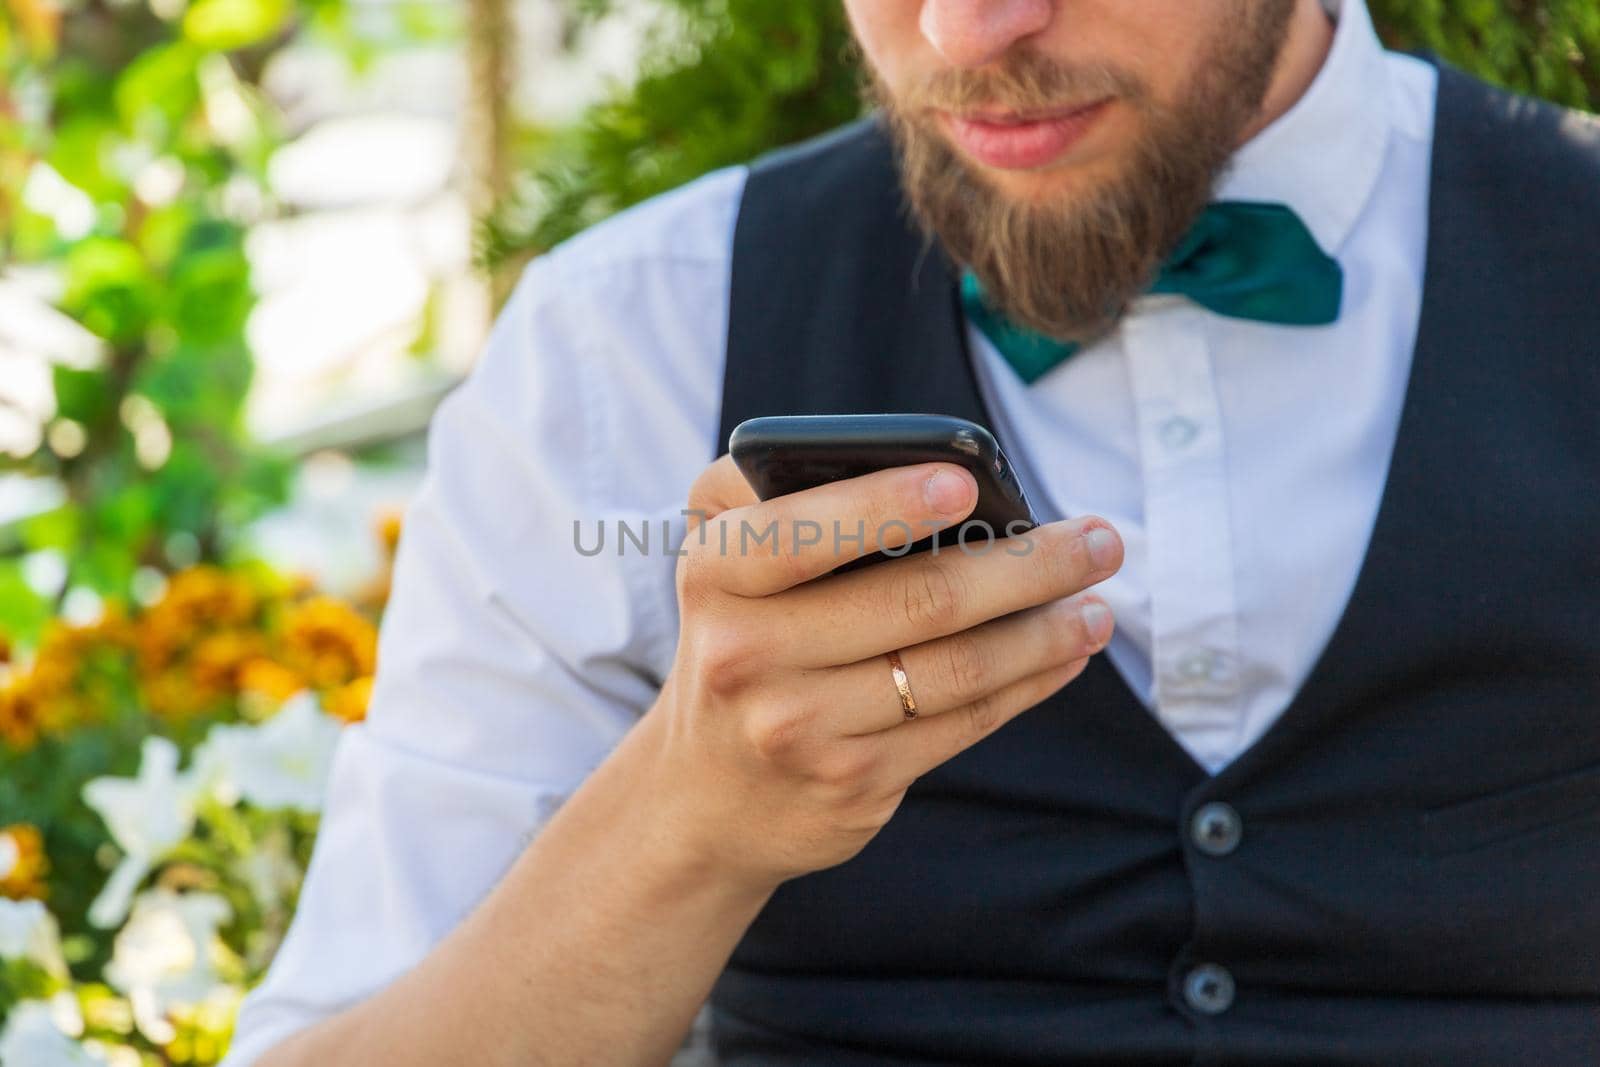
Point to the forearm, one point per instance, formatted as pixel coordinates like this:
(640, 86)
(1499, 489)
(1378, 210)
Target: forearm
(598, 946)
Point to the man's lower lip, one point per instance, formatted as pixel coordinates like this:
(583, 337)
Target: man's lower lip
(1022, 145)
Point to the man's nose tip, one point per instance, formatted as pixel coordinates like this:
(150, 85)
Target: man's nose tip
(971, 33)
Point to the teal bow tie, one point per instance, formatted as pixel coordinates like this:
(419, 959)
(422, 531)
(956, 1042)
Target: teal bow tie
(1242, 260)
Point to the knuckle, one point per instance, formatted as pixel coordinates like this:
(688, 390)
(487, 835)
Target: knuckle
(696, 575)
(701, 497)
(777, 734)
(884, 498)
(1069, 635)
(844, 768)
(983, 716)
(727, 665)
(794, 561)
(1068, 561)
(931, 596)
(967, 666)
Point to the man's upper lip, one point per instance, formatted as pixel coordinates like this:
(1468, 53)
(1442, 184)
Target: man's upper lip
(1018, 118)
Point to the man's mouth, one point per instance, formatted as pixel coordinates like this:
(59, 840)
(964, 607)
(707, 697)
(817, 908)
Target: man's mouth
(1009, 140)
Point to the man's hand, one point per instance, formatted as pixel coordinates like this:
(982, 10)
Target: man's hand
(777, 747)
(781, 745)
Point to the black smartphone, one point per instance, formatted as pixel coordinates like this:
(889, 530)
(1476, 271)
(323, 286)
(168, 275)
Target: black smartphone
(782, 454)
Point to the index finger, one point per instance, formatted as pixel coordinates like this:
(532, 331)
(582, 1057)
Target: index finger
(720, 487)
(770, 546)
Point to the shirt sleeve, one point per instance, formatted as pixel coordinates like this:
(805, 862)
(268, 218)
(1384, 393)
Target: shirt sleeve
(510, 663)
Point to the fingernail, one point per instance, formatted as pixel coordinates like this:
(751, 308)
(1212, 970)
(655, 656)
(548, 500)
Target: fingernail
(947, 493)
(1102, 544)
(1096, 620)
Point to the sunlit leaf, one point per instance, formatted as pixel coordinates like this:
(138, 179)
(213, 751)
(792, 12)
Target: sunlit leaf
(229, 24)
(82, 152)
(162, 233)
(109, 288)
(23, 612)
(160, 84)
(56, 528)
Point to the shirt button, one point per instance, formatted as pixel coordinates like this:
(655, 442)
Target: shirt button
(1177, 432)
(1199, 666)
(1216, 829)
(1209, 989)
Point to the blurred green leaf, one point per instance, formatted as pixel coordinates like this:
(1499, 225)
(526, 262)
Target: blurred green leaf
(162, 84)
(82, 395)
(109, 288)
(210, 296)
(162, 233)
(425, 21)
(224, 25)
(185, 489)
(56, 528)
(23, 612)
(82, 154)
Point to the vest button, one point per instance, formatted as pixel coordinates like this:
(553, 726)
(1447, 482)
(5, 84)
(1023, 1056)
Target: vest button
(1216, 829)
(1209, 989)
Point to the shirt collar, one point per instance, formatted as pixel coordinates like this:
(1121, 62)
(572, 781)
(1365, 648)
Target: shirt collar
(1323, 156)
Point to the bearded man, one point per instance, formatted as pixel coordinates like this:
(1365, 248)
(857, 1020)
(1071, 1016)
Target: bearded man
(1294, 342)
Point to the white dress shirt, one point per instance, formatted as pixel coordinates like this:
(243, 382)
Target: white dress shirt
(1241, 462)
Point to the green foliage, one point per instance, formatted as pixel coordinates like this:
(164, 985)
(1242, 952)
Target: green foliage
(1550, 48)
(149, 116)
(744, 76)
(226, 24)
(721, 83)
(23, 980)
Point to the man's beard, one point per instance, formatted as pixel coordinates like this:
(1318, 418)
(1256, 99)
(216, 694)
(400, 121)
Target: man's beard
(1068, 267)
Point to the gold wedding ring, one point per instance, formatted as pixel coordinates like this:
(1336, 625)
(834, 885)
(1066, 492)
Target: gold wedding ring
(908, 703)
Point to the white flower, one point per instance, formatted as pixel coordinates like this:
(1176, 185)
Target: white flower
(164, 956)
(147, 816)
(283, 763)
(33, 1038)
(28, 932)
(270, 870)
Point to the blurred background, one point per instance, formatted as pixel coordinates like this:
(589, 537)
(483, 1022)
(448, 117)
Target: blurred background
(246, 246)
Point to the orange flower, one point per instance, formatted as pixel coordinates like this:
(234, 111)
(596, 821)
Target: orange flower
(194, 643)
(349, 702)
(70, 680)
(270, 678)
(23, 863)
(60, 655)
(172, 694)
(328, 642)
(199, 600)
(114, 629)
(21, 720)
(218, 659)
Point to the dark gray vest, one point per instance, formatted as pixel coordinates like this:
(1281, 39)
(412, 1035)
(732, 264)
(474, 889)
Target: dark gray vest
(1418, 880)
